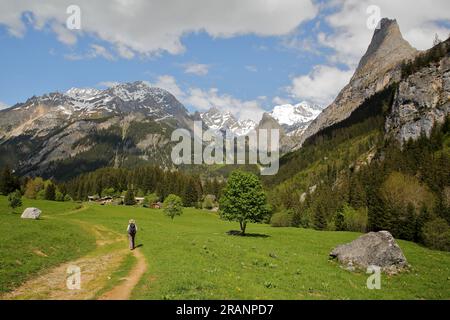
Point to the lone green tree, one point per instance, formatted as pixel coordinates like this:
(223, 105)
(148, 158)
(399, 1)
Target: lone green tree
(243, 199)
(173, 206)
(15, 200)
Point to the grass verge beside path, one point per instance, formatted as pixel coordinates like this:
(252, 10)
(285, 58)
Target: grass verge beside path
(30, 246)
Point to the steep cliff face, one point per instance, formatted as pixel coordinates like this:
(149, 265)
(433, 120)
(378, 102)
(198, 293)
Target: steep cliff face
(422, 99)
(268, 122)
(378, 68)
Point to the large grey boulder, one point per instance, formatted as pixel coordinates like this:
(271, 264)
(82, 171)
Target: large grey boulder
(372, 249)
(31, 213)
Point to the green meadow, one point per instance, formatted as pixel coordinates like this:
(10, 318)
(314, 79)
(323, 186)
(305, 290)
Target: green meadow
(193, 257)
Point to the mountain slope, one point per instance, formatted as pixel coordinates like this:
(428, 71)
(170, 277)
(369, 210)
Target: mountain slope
(84, 129)
(378, 68)
(385, 167)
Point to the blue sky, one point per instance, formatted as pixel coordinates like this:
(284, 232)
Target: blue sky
(243, 58)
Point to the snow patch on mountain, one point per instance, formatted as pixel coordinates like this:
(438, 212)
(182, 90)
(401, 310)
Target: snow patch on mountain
(289, 114)
(295, 119)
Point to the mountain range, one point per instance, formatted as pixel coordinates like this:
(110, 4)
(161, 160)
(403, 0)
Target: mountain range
(125, 125)
(63, 134)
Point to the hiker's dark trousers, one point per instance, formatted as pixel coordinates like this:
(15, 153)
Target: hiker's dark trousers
(131, 238)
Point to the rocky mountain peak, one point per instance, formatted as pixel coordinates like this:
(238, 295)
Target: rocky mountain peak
(223, 121)
(378, 68)
(387, 46)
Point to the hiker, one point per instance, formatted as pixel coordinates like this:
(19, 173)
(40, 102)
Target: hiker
(131, 229)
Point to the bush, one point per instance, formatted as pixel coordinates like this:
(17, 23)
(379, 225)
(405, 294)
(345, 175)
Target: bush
(436, 234)
(108, 192)
(67, 198)
(15, 199)
(40, 195)
(129, 199)
(281, 219)
(59, 196)
(150, 199)
(209, 202)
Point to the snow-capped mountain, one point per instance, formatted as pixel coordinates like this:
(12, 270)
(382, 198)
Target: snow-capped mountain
(63, 133)
(123, 98)
(295, 118)
(225, 121)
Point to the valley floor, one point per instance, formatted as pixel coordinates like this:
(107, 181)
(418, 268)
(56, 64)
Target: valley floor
(190, 257)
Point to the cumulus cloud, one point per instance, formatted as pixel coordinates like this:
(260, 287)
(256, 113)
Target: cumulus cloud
(169, 83)
(206, 99)
(281, 101)
(321, 85)
(107, 84)
(196, 69)
(3, 105)
(151, 26)
(419, 22)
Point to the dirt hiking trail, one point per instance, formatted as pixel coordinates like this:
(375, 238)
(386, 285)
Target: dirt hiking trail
(123, 290)
(96, 270)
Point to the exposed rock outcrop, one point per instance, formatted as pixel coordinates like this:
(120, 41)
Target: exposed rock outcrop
(269, 123)
(378, 68)
(422, 100)
(372, 249)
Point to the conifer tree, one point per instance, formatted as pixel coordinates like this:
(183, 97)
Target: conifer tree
(129, 199)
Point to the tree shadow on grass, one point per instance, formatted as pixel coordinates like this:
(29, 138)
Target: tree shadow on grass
(247, 235)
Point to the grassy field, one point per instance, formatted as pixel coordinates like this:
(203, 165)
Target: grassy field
(192, 257)
(30, 246)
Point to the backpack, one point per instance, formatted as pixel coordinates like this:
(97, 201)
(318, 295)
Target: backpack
(132, 229)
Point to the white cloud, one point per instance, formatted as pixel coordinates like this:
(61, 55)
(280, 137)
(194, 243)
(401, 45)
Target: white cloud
(196, 68)
(205, 99)
(321, 85)
(169, 83)
(95, 51)
(108, 84)
(251, 68)
(281, 101)
(100, 51)
(3, 105)
(418, 21)
(150, 26)
(125, 52)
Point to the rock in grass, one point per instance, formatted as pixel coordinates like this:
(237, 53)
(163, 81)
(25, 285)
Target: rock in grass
(372, 249)
(31, 213)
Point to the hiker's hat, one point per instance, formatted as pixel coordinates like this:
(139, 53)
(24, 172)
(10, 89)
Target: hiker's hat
(131, 221)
